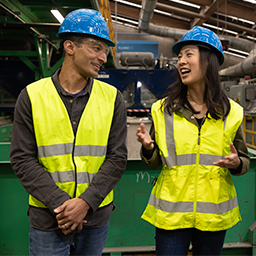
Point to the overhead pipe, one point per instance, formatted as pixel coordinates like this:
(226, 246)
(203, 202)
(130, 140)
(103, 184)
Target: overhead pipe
(146, 13)
(238, 43)
(246, 67)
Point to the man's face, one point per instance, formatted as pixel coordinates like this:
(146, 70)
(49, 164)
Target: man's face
(89, 57)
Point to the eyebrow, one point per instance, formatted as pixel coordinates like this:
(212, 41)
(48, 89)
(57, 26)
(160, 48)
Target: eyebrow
(189, 49)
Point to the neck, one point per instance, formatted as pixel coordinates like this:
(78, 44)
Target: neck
(70, 81)
(196, 100)
(196, 96)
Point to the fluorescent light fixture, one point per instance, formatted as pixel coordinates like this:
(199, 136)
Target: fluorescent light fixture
(186, 3)
(57, 15)
(124, 19)
(252, 38)
(222, 29)
(171, 15)
(238, 51)
(250, 1)
(155, 10)
(129, 3)
(124, 24)
(235, 18)
(235, 55)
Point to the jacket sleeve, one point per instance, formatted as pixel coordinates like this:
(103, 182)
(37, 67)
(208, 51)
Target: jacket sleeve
(152, 160)
(24, 161)
(114, 165)
(242, 151)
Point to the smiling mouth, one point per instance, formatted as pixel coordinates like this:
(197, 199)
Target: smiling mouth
(185, 71)
(97, 65)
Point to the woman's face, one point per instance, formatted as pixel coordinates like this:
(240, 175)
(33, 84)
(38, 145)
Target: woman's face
(189, 66)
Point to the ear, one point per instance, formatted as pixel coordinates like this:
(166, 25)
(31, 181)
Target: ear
(69, 47)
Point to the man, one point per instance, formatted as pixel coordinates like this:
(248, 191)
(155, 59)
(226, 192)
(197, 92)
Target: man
(68, 144)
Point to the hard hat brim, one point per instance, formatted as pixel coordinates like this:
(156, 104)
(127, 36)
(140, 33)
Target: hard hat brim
(177, 47)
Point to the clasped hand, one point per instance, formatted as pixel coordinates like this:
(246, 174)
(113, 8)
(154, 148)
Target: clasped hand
(70, 215)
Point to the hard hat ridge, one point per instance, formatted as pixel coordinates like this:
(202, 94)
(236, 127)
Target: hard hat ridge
(88, 22)
(202, 37)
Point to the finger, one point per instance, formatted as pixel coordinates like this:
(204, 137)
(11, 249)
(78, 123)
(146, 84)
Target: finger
(138, 131)
(59, 209)
(233, 149)
(143, 129)
(60, 216)
(65, 226)
(79, 227)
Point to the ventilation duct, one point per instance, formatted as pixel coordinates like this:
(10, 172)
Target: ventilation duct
(246, 67)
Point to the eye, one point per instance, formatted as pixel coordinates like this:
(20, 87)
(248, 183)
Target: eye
(97, 48)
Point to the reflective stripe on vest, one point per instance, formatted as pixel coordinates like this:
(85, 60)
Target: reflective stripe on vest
(71, 161)
(190, 190)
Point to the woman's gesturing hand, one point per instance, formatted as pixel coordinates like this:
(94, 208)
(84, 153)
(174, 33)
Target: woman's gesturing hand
(144, 138)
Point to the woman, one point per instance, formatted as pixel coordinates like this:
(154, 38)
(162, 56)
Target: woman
(197, 137)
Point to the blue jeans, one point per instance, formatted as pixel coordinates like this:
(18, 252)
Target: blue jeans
(55, 243)
(177, 242)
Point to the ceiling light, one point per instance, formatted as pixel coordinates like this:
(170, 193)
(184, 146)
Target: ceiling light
(123, 19)
(236, 55)
(238, 51)
(250, 1)
(186, 3)
(236, 18)
(250, 37)
(124, 24)
(171, 15)
(57, 15)
(222, 29)
(128, 3)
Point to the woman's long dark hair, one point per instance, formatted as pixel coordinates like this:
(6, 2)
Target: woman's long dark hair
(216, 100)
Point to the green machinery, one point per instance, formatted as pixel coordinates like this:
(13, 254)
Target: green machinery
(128, 233)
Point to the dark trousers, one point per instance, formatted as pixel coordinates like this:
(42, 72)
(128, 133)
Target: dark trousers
(177, 242)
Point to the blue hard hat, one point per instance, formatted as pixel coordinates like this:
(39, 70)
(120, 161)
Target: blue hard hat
(202, 37)
(86, 21)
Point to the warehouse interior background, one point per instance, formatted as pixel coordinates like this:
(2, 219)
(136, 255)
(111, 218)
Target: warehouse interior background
(141, 66)
(144, 32)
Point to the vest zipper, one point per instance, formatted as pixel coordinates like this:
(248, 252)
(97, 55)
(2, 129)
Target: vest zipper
(73, 150)
(196, 176)
(196, 181)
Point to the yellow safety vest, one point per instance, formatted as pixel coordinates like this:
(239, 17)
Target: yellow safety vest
(190, 191)
(71, 161)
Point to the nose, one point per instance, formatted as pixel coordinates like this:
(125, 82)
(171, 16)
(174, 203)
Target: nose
(103, 57)
(181, 60)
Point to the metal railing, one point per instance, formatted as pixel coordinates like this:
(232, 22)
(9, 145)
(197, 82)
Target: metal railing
(249, 131)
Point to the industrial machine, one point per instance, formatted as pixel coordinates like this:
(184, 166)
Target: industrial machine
(243, 92)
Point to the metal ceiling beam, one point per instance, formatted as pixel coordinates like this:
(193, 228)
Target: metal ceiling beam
(241, 11)
(208, 11)
(133, 13)
(6, 8)
(28, 25)
(205, 17)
